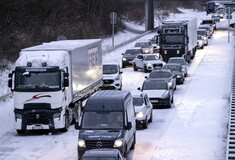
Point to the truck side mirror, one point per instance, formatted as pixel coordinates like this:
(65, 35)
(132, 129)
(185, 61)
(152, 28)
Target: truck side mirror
(77, 126)
(10, 80)
(129, 125)
(66, 80)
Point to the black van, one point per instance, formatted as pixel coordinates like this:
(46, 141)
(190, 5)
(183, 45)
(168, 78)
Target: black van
(108, 121)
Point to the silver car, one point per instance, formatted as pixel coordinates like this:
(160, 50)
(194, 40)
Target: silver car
(148, 62)
(143, 109)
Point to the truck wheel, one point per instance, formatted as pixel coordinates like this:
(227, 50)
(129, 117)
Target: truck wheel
(67, 124)
(133, 143)
(134, 67)
(145, 69)
(20, 131)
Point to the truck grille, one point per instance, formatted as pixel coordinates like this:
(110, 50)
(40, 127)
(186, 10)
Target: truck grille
(38, 118)
(99, 144)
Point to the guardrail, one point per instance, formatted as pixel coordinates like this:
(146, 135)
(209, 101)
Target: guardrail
(8, 95)
(230, 150)
(2, 98)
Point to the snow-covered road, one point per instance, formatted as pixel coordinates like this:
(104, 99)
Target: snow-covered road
(194, 128)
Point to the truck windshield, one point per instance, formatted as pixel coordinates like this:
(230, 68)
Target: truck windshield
(110, 69)
(173, 39)
(102, 120)
(37, 81)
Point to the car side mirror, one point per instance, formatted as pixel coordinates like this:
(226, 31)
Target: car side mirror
(129, 125)
(138, 88)
(77, 126)
(146, 77)
(120, 72)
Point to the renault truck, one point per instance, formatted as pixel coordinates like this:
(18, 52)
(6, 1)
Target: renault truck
(50, 81)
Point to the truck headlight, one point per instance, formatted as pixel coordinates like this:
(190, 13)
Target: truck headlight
(139, 115)
(18, 116)
(81, 143)
(118, 143)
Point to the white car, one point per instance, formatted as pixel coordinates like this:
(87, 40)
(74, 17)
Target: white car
(143, 109)
(148, 62)
(112, 76)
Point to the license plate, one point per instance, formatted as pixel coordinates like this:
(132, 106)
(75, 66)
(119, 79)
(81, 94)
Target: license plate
(106, 85)
(154, 101)
(37, 127)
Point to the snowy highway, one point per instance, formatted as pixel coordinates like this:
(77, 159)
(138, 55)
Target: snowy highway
(194, 128)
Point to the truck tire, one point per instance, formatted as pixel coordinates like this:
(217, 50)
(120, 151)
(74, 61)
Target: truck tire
(67, 123)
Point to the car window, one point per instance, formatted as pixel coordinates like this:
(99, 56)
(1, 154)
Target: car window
(179, 61)
(173, 67)
(160, 75)
(133, 52)
(150, 57)
(140, 56)
(142, 44)
(155, 85)
(110, 69)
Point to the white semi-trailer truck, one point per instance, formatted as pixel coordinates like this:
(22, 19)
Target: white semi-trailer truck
(178, 38)
(51, 80)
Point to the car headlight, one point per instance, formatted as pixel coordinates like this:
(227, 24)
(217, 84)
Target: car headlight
(18, 116)
(170, 84)
(146, 51)
(124, 59)
(117, 78)
(139, 115)
(149, 64)
(118, 143)
(81, 143)
(179, 76)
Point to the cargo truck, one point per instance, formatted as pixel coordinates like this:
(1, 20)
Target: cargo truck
(51, 80)
(178, 38)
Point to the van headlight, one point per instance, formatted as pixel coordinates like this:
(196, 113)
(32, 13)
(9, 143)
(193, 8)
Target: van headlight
(81, 143)
(117, 78)
(118, 143)
(139, 115)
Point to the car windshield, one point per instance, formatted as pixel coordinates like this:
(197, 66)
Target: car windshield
(173, 67)
(110, 69)
(99, 158)
(133, 52)
(102, 120)
(204, 27)
(207, 22)
(155, 85)
(142, 44)
(201, 32)
(150, 57)
(178, 61)
(160, 75)
(138, 101)
(37, 81)
(173, 39)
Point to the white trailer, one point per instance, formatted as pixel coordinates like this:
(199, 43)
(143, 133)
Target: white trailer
(50, 79)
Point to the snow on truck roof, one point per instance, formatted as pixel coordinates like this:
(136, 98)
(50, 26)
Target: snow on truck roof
(63, 44)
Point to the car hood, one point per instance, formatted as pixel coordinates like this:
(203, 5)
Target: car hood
(100, 134)
(154, 61)
(178, 73)
(110, 76)
(155, 93)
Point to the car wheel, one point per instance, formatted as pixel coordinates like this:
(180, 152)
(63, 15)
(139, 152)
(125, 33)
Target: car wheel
(145, 125)
(151, 117)
(125, 151)
(145, 69)
(175, 87)
(123, 66)
(134, 67)
(133, 143)
(20, 131)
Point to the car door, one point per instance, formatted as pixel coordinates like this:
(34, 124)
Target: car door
(139, 61)
(148, 107)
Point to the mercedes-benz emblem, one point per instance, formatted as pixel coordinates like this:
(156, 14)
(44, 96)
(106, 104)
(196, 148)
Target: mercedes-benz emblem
(98, 144)
(37, 116)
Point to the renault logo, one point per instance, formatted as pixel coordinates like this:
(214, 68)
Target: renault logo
(37, 116)
(99, 144)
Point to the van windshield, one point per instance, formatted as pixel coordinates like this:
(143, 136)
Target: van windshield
(102, 120)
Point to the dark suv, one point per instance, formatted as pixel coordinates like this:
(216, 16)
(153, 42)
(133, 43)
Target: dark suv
(129, 55)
